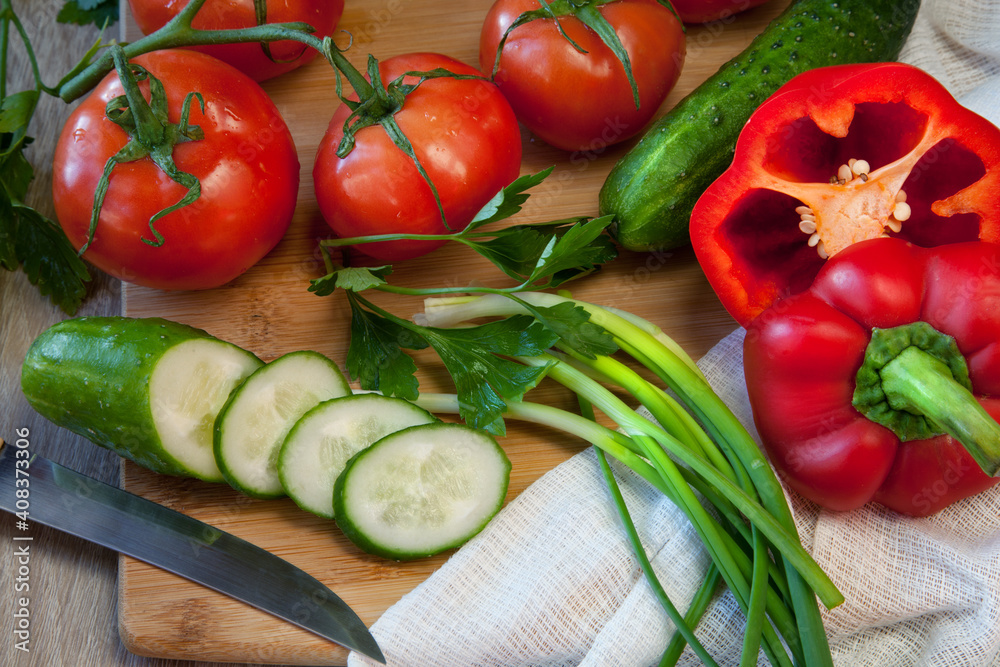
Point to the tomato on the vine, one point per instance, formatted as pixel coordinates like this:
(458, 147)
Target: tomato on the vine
(254, 59)
(246, 164)
(577, 96)
(464, 134)
(703, 11)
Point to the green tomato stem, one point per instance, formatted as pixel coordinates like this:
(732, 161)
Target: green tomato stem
(8, 17)
(587, 12)
(151, 136)
(177, 33)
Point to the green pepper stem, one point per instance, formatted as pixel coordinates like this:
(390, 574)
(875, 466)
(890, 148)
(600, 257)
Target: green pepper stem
(918, 382)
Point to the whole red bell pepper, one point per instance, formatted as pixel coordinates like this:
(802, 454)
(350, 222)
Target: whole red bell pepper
(881, 382)
(838, 155)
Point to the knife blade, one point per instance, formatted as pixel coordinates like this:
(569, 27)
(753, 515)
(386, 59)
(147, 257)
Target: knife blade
(68, 501)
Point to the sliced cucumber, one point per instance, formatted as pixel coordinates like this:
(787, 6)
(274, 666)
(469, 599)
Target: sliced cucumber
(421, 491)
(259, 413)
(325, 438)
(187, 390)
(146, 388)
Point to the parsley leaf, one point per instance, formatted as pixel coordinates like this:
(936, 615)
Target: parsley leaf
(475, 357)
(29, 240)
(353, 279)
(84, 12)
(485, 381)
(15, 113)
(580, 250)
(516, 250)
(479, 358)
(375, 356)
(508, 201)
(8, 234)
(15, 171)
(571, 324)
(32, 241)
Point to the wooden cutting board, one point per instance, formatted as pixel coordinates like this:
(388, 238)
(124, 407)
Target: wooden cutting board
(270, 312)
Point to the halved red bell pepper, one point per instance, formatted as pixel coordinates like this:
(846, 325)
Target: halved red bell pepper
(838, 155)
(877, 382)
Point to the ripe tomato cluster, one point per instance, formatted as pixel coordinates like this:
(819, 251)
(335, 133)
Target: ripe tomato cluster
(560, 78)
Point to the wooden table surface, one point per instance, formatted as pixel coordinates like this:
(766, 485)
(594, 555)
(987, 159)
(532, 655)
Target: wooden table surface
(74, 585)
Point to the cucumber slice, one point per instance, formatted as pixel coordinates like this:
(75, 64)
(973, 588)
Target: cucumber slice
(187, 390)
(421, 491)
(325, 438)
(259, 414)
(146, 388)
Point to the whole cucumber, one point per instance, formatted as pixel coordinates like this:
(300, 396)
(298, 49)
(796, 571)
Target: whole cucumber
(146, 388)
(653, 188)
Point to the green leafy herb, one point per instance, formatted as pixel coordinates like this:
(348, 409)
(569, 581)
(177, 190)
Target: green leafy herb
(538, 256)
(34, 243)
(480, 359)
(15, 112)
(574, 329)
(29, 240)
(352, 279)
(484, 379)
(509, 201)
(376, 357)
(85, 12)
(477, 358)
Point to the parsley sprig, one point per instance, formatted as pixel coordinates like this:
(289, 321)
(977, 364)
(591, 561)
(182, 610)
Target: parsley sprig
(538, 256)
(480, 359)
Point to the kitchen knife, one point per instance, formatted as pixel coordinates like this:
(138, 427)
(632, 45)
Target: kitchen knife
(36, 489)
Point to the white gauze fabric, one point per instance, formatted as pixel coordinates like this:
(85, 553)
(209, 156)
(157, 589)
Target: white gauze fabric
(553, 582)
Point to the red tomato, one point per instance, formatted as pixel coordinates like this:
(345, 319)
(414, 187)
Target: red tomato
(464, 134)
(703, 11)
(251, 58)
(583, 101)
(246, 163)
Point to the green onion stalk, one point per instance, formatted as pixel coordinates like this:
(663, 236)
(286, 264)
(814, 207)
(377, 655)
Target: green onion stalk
(693, 449)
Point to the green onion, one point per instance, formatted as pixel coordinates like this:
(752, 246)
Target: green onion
(719, 460)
